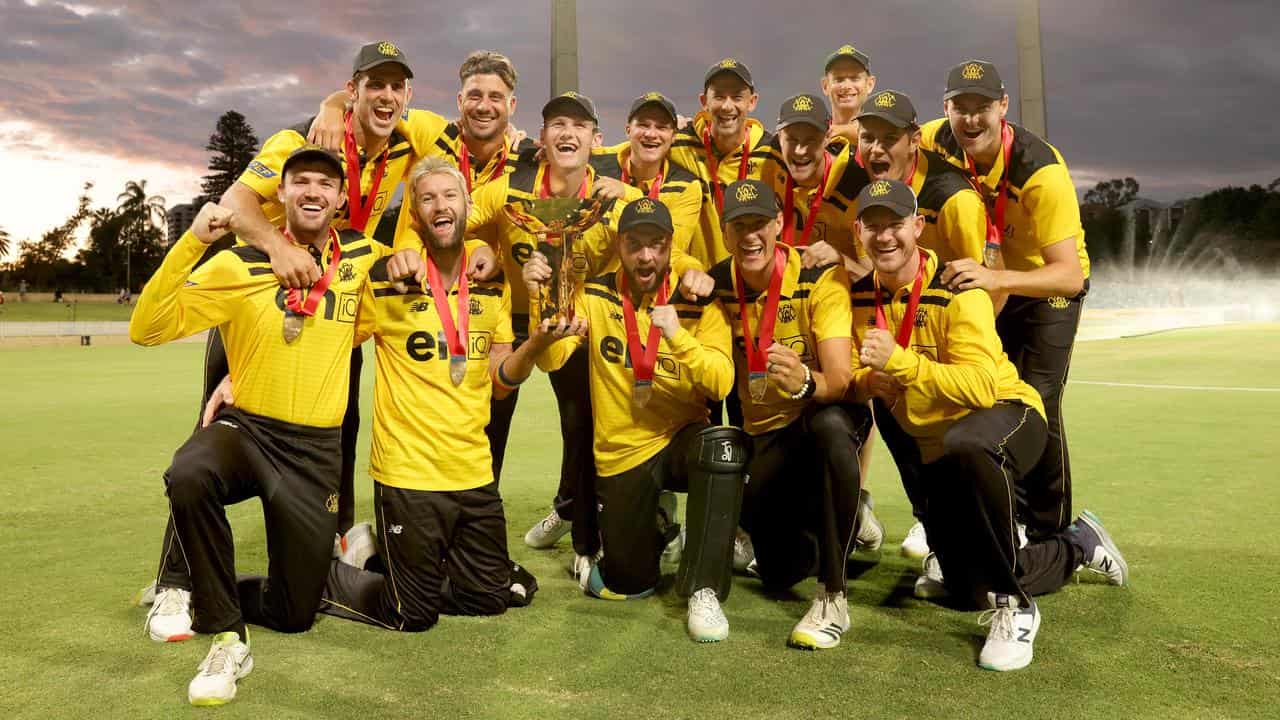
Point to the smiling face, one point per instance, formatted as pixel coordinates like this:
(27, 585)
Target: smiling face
(311, 193)
(729, 101)
(440, 207)
(567, 138)
(975, 120)
(485, 105)
(890, 240)
(651, 133)
(378, 97)
(802, 151)
(645, 254)
(847, 85)
(751, 240)
(887, 150)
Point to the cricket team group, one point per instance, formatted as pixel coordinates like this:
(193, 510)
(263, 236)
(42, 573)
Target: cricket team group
(752, 306)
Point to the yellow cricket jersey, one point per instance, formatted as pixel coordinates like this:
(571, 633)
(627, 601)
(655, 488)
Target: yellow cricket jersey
(681, 192)
(1042, 208)
(427, 433)
(430, 135)
(689, 151)
(691, 369)
(488, 222)
(838, 212)
(955, 220)
(263, 175)
(303, 382)
(955, 364)
(812, 306)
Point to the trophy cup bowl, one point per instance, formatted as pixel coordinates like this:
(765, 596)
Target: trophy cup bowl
(556, 223)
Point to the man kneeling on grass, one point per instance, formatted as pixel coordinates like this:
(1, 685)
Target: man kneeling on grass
(933, 357)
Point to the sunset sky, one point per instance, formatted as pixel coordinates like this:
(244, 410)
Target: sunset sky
(1181, 95)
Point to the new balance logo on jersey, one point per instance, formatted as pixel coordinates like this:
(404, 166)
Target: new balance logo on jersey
(420, 306)
(395, 529)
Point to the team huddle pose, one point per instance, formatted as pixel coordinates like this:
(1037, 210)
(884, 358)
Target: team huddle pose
(752, 305)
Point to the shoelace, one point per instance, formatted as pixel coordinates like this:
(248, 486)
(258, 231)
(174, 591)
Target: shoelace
(169, 602)
(704, 603)
(217, 661)
(1001, 622)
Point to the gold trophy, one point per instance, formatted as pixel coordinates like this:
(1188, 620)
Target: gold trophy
(557, 223)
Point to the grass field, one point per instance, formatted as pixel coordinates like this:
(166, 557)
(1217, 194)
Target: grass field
(1185, 479)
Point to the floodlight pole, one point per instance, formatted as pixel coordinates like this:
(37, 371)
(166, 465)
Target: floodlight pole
(1031, 101)
(564, 46)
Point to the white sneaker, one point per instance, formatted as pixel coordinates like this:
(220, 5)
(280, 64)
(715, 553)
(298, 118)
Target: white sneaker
(547, 531)
(822, 626)
(146, 596)
(916, 544)
(169, 619)
(707, 622)
(228, 661)
(359, 545)
(744, 553)
(930, 586)
(870, 529)
(1013, 632)
(582, 565)
(1100, 552)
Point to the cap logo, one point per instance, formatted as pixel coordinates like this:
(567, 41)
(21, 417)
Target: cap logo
(728, 63)
(654, 97)
(972, 71)
(880, 188)
(847, 50)
(645, 206)
(886, 100)
(570, 94)
(388, 49)
(746, 193)
(802, 103)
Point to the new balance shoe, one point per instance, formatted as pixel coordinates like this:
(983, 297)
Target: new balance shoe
(169, 619)
(1100, 554)
(916, 544)
(359, 545)
(582, 566)
(1012, 635)
(707, 622)
(870, 529)
(547, 531)
(930, 586)
(744, 553)
(823, 625)
(228, 661)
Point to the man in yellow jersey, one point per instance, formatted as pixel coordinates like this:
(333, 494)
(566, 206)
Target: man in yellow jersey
(792, 351)
(569, 132)
(643, 162)
(288, 353)
(847, 82)
(379, 156)
(1036, 225)
(933, 356)
(955, 219)
(655, 361)
(722, 144)
(443, 348)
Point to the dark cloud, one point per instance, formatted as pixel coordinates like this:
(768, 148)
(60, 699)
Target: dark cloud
(1177, 94)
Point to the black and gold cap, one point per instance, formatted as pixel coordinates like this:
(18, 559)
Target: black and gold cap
(974, 76)
(572, 99)
(652, 98)
(804, 108)
(380, 53)
(645, 211)
(848, 52)
(748, 197)
(891, 106)
(892, 194)
(729, 65)
(315, 153)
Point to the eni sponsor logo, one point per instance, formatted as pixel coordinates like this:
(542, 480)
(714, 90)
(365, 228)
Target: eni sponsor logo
(972, 71)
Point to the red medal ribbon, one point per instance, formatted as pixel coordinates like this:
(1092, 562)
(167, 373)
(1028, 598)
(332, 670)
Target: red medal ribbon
(358, 217)
(756, 348)
(293, 299)
(464, 163)
(995, 229)
(909, 319)
(457, 336)
(713, 166)
(643, 357)
(815, 203)
(654, 188)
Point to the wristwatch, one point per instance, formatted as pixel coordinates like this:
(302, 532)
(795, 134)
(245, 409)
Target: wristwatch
(807, 390)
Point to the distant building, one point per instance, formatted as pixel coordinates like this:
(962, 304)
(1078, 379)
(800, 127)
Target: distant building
(179, 218)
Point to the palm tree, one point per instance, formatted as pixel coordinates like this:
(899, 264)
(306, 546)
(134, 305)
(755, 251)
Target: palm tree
(4, 242)
(142, 213)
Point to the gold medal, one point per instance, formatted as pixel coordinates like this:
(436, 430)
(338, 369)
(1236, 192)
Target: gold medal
(641, 394)
(991, 256)
(292, 326)
(758, 383)
(457, 370)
